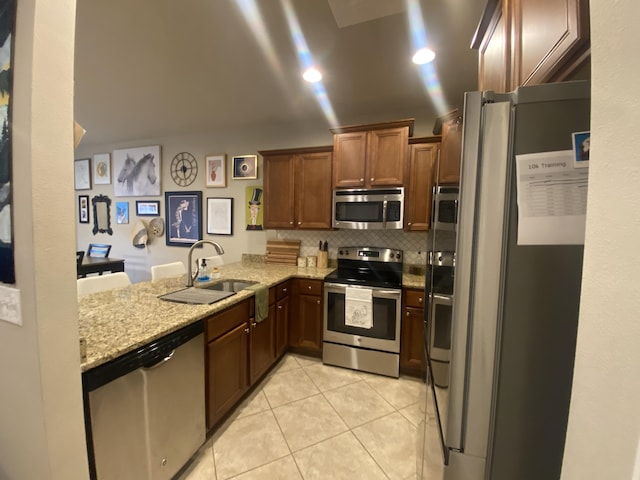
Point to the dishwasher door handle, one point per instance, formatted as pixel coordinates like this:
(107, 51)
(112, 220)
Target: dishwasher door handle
(161, 362)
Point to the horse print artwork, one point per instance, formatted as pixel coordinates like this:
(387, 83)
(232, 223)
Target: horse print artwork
(138, 171)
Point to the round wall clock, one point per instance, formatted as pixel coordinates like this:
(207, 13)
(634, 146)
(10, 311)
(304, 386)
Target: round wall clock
(184, 169)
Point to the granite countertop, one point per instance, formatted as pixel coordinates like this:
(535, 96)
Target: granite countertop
(118, 321)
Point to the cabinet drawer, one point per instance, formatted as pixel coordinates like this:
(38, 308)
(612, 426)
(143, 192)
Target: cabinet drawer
(282, 290)
(226, 320)
(414, 298)
(310, 287)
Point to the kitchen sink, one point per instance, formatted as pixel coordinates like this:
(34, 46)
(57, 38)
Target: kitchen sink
(194, 296)
(230, 285)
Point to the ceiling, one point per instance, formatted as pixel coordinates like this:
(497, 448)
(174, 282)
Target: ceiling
(153, 68)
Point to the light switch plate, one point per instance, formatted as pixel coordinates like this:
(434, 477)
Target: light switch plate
(10, 305)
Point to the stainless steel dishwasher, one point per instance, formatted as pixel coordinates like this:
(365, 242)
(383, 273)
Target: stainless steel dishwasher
(145, 411)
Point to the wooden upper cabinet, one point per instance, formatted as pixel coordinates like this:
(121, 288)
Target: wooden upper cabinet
(278, 191)
(528, 42)
(423, 158)
(493, 59)
(349, 159)
(387, 151)
(551, 39)
(450, 152)
(297, 188)
(372, 155)
(313, 194)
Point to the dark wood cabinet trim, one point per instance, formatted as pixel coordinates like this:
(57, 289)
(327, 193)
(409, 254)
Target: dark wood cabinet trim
(376, 126)
(295, 151)
(434, 139)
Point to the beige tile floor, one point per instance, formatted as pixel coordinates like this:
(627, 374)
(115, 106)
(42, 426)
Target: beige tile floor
(307, 421)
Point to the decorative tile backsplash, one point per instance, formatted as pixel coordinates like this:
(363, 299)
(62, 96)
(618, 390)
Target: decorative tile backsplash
(414, 245)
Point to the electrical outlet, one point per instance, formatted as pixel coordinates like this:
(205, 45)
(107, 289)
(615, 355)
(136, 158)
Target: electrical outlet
(10, 305)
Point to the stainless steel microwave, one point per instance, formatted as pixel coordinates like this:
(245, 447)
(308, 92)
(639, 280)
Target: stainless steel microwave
(368, 209)
(445, 207)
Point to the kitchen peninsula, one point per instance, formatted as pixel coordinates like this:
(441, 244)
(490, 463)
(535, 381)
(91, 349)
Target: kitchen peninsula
(115, 322)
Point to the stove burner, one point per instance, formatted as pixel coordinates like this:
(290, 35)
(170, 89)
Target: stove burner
(368, 266)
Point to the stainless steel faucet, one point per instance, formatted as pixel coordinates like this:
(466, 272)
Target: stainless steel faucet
(216, 245)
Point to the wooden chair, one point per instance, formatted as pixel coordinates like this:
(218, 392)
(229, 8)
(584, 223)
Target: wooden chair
(167, 270)
(102, 283)
(98, 250)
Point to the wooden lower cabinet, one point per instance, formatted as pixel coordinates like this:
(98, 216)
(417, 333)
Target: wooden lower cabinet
(305, 322)
(412, 359)
(226, 369)
(261, 345)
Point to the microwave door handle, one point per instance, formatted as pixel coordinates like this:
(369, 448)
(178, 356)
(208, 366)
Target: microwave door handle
(384, 213)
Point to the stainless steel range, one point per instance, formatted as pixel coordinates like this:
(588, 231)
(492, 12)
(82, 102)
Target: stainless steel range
(362, 302)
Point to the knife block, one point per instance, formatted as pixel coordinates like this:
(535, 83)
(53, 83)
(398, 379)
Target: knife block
(323, 259)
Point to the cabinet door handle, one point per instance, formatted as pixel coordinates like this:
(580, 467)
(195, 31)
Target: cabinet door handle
(362, 179)
(279, 307)
(309, 287)
(372, 179)
(408, 314)
(254, 324)
(299, 223)
(284, 290)
(290, 223)
(318, 302)
(246, 330)
(420, 300)
(409, 223)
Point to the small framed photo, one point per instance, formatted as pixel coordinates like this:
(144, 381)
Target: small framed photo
(245, 166)
(83, 208)
(82, 174)
(216, 170)
(147, 208)
(220, 216)
(581, 147)
(122, 213)
(183, 211)
(102, 169)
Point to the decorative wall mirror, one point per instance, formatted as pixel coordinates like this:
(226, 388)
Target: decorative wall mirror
(101, 214)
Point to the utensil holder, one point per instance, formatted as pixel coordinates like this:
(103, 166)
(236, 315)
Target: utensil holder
(323, 259)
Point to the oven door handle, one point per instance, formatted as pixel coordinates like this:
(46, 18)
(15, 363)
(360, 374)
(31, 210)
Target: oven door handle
(341, 287)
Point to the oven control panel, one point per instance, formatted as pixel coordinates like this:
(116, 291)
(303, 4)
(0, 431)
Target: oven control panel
(375, 254)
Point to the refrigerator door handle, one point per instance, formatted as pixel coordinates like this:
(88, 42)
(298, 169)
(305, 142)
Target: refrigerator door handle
(471, 148)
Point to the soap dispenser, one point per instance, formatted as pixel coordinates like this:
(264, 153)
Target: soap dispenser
(203, 271)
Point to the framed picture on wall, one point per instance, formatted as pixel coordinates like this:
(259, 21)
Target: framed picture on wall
(83, 208)
(102, 169)
(122, 213)
(183, 211)
(147, 208)
(245, 167)
(216, 170)
(82, 174)
(220, 216)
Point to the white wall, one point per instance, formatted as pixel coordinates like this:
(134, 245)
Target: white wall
(604, 420)
(232, 142)
(41, 417)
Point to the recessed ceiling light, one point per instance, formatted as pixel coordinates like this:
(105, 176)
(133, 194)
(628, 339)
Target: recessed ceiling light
(424, 55)
(312, 75)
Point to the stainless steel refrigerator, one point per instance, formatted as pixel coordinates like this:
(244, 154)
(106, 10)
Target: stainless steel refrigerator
(515, 306)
